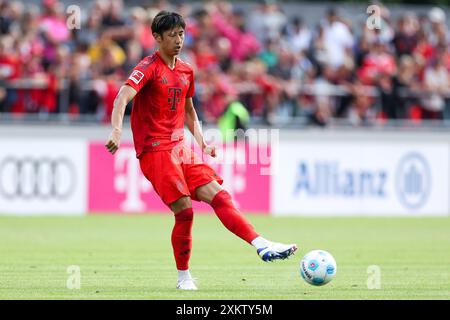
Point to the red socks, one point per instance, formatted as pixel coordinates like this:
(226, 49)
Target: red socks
(225, 210)
(231, 218)
(182, 238)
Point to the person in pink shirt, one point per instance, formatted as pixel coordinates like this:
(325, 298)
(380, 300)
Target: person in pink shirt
(53, 23)
(243, 44)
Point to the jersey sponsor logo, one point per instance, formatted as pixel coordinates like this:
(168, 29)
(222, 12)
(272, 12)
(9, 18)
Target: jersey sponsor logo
(183, 80)
(136, 76)
(174, 97)
(37, 178)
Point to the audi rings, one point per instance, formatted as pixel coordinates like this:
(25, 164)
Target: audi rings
(37, 178)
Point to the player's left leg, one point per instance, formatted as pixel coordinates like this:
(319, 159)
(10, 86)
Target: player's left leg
(220, 200)
(204, 185)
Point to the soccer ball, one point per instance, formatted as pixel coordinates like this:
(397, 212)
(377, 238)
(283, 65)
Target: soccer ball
(318, 267)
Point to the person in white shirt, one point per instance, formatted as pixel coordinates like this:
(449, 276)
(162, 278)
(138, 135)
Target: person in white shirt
(338, 39)
(437, 86)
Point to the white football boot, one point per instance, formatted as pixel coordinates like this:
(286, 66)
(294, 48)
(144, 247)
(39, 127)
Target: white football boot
(186, 284)
(276, 251)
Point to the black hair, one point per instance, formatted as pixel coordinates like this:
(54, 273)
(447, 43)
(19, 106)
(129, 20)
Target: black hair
(166, 20)
(297, 21)
(331, 12)
(199, 14)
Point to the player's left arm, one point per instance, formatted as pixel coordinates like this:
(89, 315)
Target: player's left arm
(193, 124)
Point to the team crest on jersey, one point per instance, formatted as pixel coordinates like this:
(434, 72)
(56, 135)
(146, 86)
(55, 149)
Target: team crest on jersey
(183, 80)
(136, 76)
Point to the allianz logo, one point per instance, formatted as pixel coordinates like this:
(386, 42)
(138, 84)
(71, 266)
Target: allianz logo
(328, 179)
(413, 181)
(411, 178)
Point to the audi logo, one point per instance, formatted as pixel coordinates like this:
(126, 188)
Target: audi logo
(43, 178)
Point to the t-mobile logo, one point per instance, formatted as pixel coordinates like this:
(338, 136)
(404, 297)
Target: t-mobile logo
(174, 97)
(129, 179)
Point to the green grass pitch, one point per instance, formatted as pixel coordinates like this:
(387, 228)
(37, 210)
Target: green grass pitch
(130, 257)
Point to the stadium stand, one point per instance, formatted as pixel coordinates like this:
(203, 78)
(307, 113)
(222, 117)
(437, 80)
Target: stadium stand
(282, 64)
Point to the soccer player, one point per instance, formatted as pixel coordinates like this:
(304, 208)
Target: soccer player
(162, 86)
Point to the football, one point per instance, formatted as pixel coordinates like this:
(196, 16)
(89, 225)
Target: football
(318, 267)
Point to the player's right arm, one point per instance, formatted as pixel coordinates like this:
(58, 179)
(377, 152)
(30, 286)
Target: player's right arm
(140, 76)
(125, 95)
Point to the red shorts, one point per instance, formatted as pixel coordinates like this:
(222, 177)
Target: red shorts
(176, 173)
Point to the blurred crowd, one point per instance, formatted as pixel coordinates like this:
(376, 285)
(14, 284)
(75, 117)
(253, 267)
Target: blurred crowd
(274, 64)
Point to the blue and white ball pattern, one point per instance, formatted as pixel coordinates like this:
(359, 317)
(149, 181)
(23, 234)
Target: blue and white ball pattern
(318, 267)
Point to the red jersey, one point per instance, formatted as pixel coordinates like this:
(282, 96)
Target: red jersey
(157, 117)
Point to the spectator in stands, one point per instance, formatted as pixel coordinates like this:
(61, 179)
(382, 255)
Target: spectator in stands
(405, 39)
(244, 45)
(142, 42)
(113, 14)
(267, 21)
(5, 18)
(9, 70)
(439, 32)
(298, 36)
(337, 38)
(88, 34)
(405, 89)
(377, 61)
(323, 93)
(437, 86)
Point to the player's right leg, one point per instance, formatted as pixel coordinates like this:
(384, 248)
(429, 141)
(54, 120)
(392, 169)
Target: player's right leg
(182, 241)
(168, 181)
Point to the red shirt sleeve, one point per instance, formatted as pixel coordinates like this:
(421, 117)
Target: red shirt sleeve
(140, 75)
(191, 90)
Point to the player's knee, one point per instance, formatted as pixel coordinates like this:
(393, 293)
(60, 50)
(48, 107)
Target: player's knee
(181, 204)
(207, 192)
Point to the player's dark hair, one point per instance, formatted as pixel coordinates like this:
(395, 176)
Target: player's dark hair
(166, 20)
